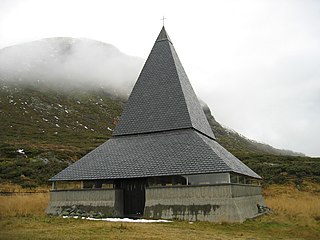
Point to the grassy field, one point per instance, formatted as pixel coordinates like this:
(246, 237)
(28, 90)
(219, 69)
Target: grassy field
(296, 215)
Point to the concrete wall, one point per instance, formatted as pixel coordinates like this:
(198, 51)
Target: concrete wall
(215, 203)
(107, 201)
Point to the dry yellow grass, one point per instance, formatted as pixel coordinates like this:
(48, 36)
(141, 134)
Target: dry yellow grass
(23, 204)
(288, 202)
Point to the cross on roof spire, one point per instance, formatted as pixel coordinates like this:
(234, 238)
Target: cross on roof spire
(163, 18)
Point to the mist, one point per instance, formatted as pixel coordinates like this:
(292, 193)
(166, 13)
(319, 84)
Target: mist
(69, 63)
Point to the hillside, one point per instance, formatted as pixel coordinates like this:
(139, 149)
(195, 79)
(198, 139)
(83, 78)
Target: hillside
(43, 130)
(61, 98)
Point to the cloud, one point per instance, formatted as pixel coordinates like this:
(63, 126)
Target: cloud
(69, 62)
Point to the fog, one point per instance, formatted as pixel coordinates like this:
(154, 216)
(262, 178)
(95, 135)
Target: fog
(70, 63)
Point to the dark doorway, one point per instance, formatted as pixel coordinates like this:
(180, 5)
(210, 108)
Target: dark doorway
(134, 196)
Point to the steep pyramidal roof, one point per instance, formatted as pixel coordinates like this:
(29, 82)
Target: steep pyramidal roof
(162, 98)
(163, 130)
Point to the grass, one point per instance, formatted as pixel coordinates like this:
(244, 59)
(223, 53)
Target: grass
(295, 216)
(45, 227)
(21, 205)
(288, 202)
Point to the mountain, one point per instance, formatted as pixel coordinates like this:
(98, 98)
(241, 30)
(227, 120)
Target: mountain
(69, 63)
(49, 119)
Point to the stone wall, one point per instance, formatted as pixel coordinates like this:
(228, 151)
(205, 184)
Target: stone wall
(106, 201)
(215, 203)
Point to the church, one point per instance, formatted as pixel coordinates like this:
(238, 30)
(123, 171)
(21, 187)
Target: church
(163, 160)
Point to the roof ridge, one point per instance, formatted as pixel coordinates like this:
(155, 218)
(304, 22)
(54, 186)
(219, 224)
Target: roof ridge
(197, 116)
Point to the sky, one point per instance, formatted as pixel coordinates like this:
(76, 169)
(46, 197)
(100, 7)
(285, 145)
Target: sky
(255, 63)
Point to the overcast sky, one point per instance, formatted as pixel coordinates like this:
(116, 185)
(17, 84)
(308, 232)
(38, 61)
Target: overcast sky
(255, 63)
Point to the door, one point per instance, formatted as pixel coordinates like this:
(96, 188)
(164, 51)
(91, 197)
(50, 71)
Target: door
(134, 197)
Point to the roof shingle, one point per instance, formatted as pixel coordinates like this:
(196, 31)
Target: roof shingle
(168, 153)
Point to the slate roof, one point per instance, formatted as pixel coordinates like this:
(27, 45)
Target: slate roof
(168, 153)
(162, 98)
(163, 130)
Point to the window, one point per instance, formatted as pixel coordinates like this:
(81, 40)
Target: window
(212, 178)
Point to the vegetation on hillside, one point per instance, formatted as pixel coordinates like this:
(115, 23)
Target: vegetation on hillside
(284, 169)
(43, 130)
